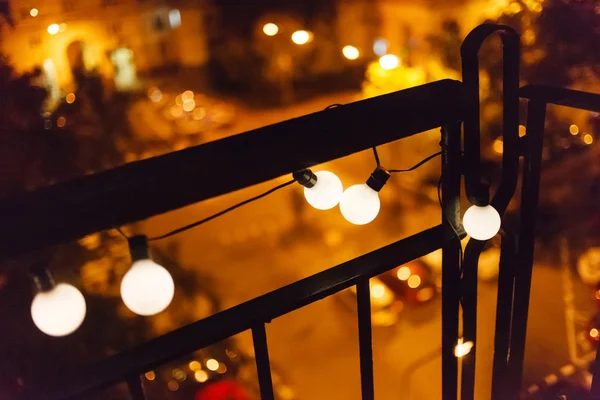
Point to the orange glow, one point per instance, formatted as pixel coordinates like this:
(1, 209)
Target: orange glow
(188, 95)
(222, 368)
(587, 138)
(179, 100)
(403, 273)
(201, 376)
(173, 386)
(425, 294)
(389, 61)
(598, 294)
(212, 364)
(498, 146)
(53, 29)
(301, 37)
(350, 52)
(150, 375)
(414, 281)
(199, 113)
(377, 290)
(70, 98)
(155, 94)
(270, 29)
(522, 130)
(33, 12)
(594, 333)
(462, 348)
(176, 110)
(189, 105)
(61, 122)
(179, 374)
(194, 365)
(573, 129)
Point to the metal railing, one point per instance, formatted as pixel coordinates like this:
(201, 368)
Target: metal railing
(142, 189)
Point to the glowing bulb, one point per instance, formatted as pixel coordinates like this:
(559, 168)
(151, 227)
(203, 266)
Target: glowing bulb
(270, 29)
(327, 191)
(53, 29)
(58, 311)
(360, 204)
(389, 61)
(147, 288)
(350, 52)
(462, 348)
(482, 223)
(301, 37)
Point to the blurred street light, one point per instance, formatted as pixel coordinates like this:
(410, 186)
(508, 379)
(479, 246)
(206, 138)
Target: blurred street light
(270, 29)
(350, 52)
(573, 130)
(588, 139)
(301, 37)
(33, 12)
(389, 61)
(380, 47)
(53, 29)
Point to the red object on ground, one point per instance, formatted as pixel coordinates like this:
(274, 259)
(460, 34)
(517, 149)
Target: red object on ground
(223, 390)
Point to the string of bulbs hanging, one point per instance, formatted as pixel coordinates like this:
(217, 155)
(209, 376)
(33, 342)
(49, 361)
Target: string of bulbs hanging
(148, 288)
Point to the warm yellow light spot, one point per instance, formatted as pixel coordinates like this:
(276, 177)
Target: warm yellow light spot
(270, 29)
(594, 333)
(176, 111)
(70, 99)
(389, 61)
(155, 94)
(403, 273)
(377, 290)
(61, 122)
(199, 113)
(514, 8)
(587, 138)
(528, 37)
(414, 281)
(462, 348)
(425, 294)
(201, 376)
(173, 386)
(179, 100)
(150, 375)
(499, 146)
(189, 105)
(522, 130)
(179, 374)
(537, 7)
(212, 364)
(194, 365)
(350, 52)
(33, 12)
(573, 129)
(598, 294)
(222, 368)
(53, 29)
(301, 37)
(188, 95)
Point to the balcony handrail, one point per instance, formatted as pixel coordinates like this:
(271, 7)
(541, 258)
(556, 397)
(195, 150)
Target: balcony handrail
(139, 190)
(244, 316)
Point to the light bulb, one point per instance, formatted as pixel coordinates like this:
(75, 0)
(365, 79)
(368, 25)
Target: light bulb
(482, 223)
(58, 311)
(360, 204)
(326, 192)
(147, 288)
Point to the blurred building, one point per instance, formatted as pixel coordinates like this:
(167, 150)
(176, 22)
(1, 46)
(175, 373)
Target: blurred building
(116, 38)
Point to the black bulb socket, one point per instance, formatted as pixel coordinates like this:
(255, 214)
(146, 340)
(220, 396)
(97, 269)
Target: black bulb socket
(480, 195)
(378, 178)
(138, 248)
(43, 279)
(305, 177)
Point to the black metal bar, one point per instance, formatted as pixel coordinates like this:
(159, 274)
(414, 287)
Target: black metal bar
(504, 307)
(263, 366)
(136, 390)
(451, 175)
(562, 97)
(244, 316)
(142, 189)
(595, 389)
(536, 114)
(510, 166)
(365, 340)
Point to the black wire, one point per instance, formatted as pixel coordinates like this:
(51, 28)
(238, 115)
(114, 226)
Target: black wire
(121, 232)
(225, 211)
(329, 107)
(376, 156)
(416, 165)
(460, 251)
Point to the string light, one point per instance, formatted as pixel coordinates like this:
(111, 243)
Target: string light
(360, 204)
(147, 288)
(322, 189)
(482, 222)
(57, 309)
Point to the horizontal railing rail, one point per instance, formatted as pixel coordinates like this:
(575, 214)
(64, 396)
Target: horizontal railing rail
(142, 189)
(250, 315)
(562, 97)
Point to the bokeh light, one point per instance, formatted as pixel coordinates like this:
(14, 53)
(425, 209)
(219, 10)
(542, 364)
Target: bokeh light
(301, 37)
(270, 29)
(389, 61)
(350, 52)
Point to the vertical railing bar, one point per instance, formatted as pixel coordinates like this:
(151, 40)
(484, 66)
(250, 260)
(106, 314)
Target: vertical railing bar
(536, 115)
(365, 338)
(263, 367)
(504, 308)
(134, 383)
(451, 175)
